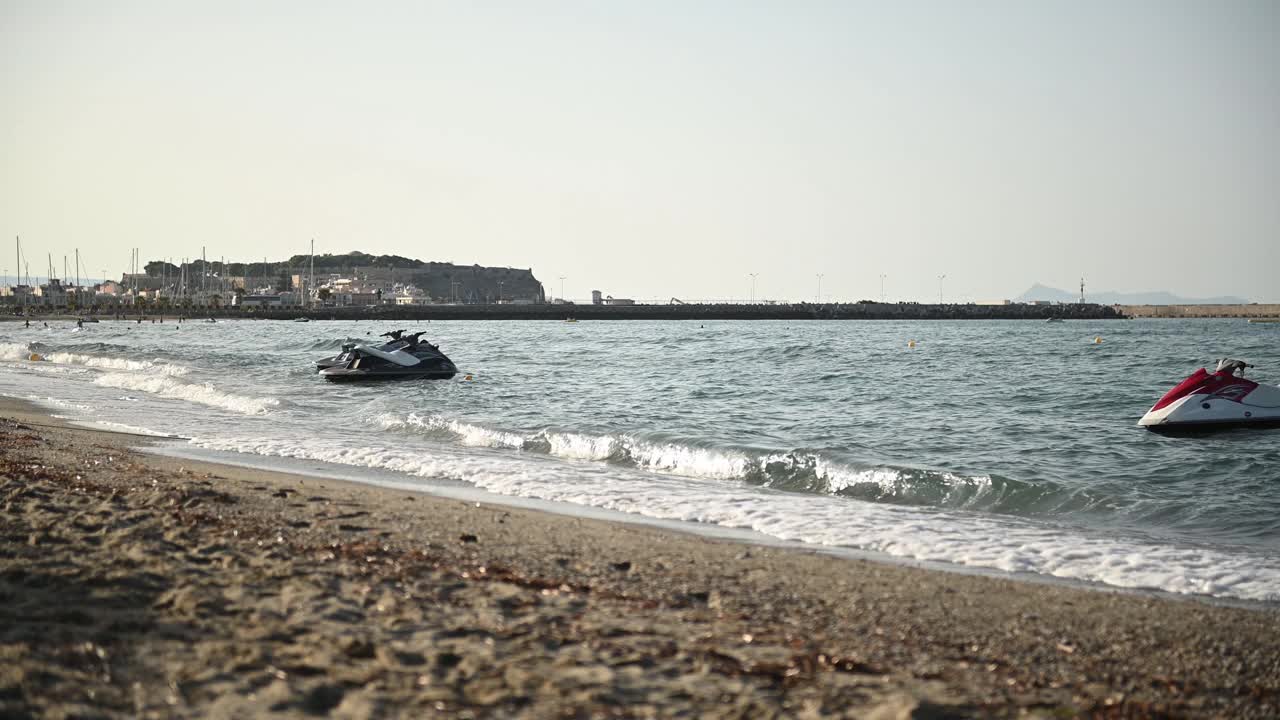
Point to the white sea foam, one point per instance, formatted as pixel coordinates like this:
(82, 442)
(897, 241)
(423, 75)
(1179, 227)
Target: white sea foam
(113, 363)
(699, 462)
(14, 351)
(17, 351)
(124, 427)
(675, 458)
(203, 393)
(579, 446)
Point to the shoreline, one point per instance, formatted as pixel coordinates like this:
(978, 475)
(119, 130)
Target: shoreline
(175, 447)
(137, 584)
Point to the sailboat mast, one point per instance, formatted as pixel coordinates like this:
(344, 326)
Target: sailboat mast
(312, 281)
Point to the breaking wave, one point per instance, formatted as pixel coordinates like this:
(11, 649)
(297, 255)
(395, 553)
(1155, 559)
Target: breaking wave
(335, 344)
(203, 393)
(799, 470)
(16, 351)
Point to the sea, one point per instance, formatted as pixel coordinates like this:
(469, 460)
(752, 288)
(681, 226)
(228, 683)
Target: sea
(1003, 447)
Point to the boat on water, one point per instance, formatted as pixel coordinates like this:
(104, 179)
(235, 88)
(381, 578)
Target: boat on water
(401, 357)
(302, 319)
(1054, 320)
(1264, 320)
(1219, 399)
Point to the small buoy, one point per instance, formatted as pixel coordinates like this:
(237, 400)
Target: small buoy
(467, 378)
(35, 357)
(911, 343)
(1097, 341)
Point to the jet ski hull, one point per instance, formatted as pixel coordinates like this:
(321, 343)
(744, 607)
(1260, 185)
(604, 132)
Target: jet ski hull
(342, 374)
(1213, 401)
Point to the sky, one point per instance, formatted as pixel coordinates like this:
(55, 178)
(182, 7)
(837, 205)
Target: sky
(660, 149)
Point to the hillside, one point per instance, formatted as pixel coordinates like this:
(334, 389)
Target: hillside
(1043, 292)
(442, 281)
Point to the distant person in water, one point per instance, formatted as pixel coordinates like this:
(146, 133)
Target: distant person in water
(79, 323)
(28, 323)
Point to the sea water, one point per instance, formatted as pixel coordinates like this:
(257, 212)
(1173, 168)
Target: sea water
(1004, 446)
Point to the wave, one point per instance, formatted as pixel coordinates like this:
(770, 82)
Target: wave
(16, 351)
(798, 470)
(113, 363)
(203, 393)
(336, 344)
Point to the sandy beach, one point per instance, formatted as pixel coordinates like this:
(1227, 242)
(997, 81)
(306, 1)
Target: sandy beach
(134, 585)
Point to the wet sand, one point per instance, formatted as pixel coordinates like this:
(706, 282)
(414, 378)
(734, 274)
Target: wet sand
(133, 585)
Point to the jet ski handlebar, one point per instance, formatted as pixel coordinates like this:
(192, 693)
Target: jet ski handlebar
(1231, 366)
(411, 339)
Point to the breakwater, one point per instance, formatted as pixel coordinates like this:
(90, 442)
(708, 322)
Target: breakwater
(1252, 310)
(798, 311)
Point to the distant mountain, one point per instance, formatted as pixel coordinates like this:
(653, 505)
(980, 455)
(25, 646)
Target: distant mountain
(1042, 292)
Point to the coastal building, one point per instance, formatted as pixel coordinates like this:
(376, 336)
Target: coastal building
(18, 295)
(80, 296)
(596, 299)
(410, 295)
(52, 293)
(206, 299)
(259, 301)
(141, 281)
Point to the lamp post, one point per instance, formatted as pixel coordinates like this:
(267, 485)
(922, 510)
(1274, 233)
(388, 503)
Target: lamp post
(940, 279)
(753, 287)
(819, 301)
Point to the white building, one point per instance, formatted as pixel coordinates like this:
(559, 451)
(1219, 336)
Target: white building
(260, 301)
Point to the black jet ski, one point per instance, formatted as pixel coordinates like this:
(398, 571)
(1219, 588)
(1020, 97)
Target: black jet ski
(401, 357)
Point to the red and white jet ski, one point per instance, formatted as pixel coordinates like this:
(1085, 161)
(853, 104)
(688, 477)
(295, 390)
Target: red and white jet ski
(1223, 398)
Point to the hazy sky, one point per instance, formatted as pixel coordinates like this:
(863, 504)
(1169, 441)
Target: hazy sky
(655, 149)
